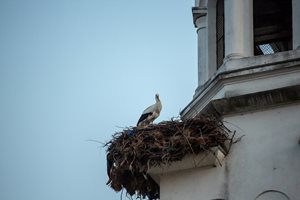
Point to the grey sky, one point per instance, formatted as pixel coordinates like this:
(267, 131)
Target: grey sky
(71, 71)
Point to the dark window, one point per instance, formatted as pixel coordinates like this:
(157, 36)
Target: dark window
(220, 32)
(272, 26)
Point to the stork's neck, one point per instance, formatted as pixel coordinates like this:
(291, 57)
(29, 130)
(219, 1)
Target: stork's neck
(157, 99)
(158, 104)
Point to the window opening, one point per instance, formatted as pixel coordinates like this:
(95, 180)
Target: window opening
(220, 32)
(272, 26)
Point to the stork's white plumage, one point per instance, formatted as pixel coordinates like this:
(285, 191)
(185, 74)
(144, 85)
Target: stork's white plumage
(151, 113)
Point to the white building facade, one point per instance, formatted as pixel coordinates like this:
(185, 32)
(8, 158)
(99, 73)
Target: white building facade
(249, 76)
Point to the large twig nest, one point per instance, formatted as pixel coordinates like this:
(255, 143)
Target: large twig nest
(133, 151)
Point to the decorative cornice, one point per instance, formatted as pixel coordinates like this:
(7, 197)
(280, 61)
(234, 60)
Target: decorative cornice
(256, 101)
(273, 72)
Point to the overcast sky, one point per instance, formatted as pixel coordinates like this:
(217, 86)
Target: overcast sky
(78, 70)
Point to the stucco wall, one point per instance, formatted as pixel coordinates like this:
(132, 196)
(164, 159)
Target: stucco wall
(207, 183)
(264, 164)
(268, 157)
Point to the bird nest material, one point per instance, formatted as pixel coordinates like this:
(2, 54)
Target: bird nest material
(133, 151)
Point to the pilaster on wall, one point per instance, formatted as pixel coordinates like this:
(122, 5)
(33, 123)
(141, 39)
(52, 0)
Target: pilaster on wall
(201, 3)
(205, 22)
(296, 24)
(201, 24)
(238, 28)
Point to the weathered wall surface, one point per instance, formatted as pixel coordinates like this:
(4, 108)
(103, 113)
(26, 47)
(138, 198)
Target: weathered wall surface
(263, 165)
(207, 183)
(268, 157)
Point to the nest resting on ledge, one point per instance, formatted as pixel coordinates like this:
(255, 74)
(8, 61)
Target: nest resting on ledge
(133, 151)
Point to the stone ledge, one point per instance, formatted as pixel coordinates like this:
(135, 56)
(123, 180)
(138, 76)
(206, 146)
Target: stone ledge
(250, 76)
(210, 158)
(252, 65)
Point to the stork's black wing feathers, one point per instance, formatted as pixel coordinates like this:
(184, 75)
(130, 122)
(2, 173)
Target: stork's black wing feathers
(143, 117)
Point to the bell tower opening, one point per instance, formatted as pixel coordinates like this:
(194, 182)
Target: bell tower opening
(220, 32)
(272, 21)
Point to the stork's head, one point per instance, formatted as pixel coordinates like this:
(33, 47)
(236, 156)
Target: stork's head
(157, 97)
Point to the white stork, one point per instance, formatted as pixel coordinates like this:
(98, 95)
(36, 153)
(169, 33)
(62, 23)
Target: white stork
(151, 113)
